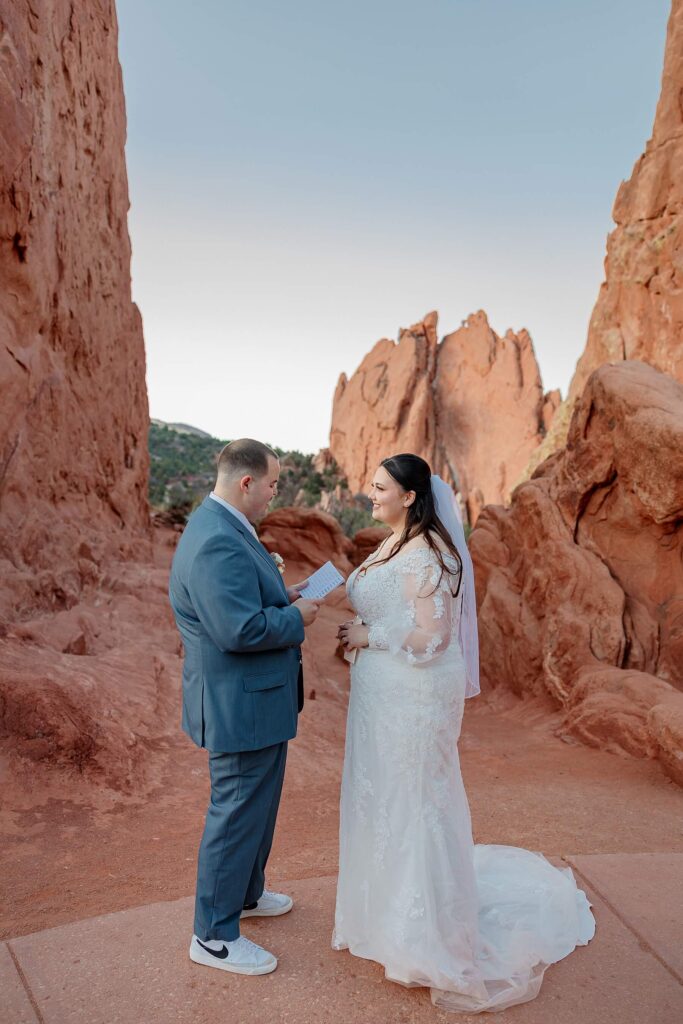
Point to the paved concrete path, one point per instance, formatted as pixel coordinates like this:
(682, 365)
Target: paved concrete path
(132, 966)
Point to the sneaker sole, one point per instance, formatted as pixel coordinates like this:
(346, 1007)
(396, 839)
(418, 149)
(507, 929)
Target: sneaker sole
(223, 965)
(278, 912)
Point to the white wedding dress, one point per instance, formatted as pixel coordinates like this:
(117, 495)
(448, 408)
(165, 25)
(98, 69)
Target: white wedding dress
(478, 925)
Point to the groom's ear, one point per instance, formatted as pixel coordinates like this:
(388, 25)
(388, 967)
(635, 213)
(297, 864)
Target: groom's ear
(245, 481)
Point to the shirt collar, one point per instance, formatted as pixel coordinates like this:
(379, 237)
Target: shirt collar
(235, 512)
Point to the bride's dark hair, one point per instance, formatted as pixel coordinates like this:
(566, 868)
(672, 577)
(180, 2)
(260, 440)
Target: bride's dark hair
(413, 474)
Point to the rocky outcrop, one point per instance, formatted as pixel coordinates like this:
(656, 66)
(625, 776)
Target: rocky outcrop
(622, 710)
(88, 653)
(580, 580)
(639, 310)
(92, 692)
(471, 405)
(73, 419)
(387, 405)
(491, 412)
(308, 537)
(366, 541)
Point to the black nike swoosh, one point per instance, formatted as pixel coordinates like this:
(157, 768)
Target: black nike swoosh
(220, 954)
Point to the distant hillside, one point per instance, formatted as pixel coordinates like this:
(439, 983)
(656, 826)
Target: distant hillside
(181, 428)
(182, 464)
(183, 471)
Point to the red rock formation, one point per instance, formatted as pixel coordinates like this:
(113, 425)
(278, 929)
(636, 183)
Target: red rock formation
(88, 654)
(73, 420)
(93, 691)
(387, 405)
(491, 412)
(455, 403)
(308, 537)
(579, 582)
(639, 310)
(366, 541)
(323, 460)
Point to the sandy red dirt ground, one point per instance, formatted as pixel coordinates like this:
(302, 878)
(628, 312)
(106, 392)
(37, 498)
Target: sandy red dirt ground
(72, 851)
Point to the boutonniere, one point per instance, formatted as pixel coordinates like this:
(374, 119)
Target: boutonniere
(279, 561)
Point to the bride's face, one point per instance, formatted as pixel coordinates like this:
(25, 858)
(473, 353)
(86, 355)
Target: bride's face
(389, 501)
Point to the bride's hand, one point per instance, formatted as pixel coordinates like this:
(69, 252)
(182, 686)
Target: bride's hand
(352, 635)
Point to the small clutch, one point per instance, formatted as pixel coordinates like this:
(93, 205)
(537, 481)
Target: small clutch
(351, 656)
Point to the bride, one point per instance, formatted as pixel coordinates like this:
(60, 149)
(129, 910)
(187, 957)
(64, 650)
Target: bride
(478, 925)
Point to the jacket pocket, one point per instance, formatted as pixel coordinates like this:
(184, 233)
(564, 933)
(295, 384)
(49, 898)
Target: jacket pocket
(265, 681)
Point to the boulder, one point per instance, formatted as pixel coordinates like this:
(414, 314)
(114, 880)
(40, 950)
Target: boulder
(583, 572)
(307, 537)
(621, 710)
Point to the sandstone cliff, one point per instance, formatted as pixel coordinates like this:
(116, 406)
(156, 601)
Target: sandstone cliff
(472, 405)
(491, 412)
(88, 655)
(73, 420)
(580, 580)
(639, 310)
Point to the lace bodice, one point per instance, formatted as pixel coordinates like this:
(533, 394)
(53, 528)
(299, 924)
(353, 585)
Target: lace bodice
(408, 604)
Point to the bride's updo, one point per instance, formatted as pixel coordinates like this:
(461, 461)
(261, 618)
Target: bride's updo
(412, 473)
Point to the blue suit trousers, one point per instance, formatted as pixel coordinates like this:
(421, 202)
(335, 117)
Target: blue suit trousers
(238, 835)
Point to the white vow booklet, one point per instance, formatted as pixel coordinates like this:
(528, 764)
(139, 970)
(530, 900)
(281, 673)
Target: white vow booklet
(323, 581)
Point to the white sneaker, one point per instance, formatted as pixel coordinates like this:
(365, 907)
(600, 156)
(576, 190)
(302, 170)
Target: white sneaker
(241, 956)
(271, 904)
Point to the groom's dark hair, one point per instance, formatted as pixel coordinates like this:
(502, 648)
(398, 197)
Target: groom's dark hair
(245, 456)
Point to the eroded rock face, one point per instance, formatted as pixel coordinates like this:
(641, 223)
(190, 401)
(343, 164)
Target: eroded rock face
(580, 581)
(89, 658)
(91, 693)
(622, 710)
(491, 412)
(387, 405)
(453, 403)
(639, 310)
(73, 419)
(308, 537)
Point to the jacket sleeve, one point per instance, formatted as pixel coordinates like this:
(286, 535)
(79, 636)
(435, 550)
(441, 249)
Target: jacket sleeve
(421, 632)
(224, 591)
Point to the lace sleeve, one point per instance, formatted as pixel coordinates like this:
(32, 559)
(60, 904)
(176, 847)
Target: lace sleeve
(421, 632)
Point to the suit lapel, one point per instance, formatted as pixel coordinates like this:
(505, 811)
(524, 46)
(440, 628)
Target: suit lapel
(215, 506)
(259, 548)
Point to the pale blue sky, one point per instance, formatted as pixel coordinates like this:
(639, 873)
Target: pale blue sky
(308, 177)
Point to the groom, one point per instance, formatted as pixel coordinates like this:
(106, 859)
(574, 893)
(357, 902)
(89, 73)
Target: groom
(242, 691)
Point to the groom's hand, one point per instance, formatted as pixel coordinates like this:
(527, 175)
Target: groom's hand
(294, 592)
(308, 610)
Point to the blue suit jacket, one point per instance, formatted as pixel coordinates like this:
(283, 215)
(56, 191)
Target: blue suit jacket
(241, 673)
